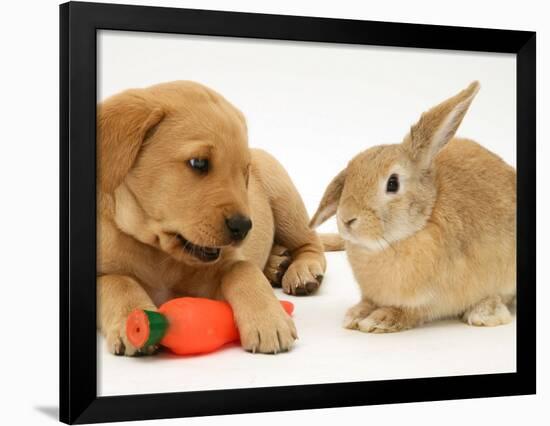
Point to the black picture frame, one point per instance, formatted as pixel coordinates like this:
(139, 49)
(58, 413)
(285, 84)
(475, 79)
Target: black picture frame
(79, 23)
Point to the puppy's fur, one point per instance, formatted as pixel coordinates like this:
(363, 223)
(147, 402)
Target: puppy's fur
(442, 244)
(155, 212)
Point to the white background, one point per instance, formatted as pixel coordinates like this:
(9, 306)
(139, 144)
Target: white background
(29, 164)
(314, 106)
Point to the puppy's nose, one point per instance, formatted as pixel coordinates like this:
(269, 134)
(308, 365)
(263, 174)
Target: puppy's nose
(238, 226)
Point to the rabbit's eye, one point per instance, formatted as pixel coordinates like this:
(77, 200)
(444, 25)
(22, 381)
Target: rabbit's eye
(393, 184)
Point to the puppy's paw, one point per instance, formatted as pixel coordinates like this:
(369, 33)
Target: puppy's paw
(303, 277)
(268, 332)
(118, 343)
(277, 264)
(489, 312)
(384, 320)
(356, 314)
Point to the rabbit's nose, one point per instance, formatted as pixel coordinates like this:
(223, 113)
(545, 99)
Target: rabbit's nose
(350, 222)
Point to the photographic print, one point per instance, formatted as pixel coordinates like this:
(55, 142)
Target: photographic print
(265, 212)
(215, 153)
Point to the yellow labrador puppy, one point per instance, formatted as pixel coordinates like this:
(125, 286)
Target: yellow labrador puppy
(186, 208)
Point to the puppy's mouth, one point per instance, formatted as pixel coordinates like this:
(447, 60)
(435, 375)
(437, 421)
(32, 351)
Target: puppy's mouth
(204, 254)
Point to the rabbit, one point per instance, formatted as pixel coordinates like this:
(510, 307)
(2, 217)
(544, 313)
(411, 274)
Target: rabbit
(429, 226)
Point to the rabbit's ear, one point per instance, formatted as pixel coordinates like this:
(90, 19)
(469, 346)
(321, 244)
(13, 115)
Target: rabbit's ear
(329, 202)
(437, 126)
(122, 125)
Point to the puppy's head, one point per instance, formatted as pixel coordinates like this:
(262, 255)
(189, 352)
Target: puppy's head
(176, 158)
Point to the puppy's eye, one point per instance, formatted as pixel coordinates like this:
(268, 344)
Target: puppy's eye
(199, 164)
(393, 184)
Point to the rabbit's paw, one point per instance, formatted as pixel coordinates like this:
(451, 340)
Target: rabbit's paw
(277, 264)
(357, 313)
(489, 312)
(385, 320)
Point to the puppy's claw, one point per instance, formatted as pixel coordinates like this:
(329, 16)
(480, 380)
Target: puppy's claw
(149, 350)
(118, 344)
(300, 291)
(119, 348)
(312, 286)
(303, 277)
(276, 266)
(268, 333)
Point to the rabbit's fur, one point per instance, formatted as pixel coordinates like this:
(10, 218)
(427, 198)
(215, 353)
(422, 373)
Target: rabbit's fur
(444, 244)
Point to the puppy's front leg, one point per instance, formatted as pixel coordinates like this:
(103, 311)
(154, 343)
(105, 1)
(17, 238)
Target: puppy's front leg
(306, 271)
(117, 296)
(263, 324)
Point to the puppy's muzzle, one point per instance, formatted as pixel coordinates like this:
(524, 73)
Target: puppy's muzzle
(238, 227)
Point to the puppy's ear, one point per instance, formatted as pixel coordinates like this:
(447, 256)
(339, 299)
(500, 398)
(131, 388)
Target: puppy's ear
(437, 126)
(329, 202)
(122, 125)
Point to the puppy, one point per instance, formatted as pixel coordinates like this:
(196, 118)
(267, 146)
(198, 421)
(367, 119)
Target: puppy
(185, 208)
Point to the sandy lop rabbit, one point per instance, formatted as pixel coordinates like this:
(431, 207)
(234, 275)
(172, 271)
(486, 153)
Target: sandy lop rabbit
(430, 226)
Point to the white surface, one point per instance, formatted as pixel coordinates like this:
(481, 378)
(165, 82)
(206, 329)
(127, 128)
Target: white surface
(324, 353)
(29, 361)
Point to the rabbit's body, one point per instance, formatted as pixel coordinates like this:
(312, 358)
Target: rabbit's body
(462, 255)
(430, 227)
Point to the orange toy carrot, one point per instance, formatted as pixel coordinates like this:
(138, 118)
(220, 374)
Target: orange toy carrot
(187, 325)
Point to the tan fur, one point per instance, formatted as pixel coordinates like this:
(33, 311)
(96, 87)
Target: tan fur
(277, 264)
(444, 244)
(332, 242)
(148, 194)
